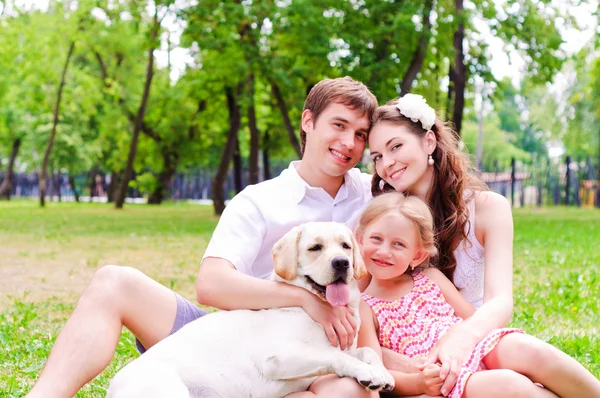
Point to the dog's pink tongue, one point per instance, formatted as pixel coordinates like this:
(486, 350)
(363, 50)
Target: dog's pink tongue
(338, 294)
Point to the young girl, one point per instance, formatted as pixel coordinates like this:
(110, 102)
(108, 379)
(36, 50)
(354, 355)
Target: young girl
(408, 307)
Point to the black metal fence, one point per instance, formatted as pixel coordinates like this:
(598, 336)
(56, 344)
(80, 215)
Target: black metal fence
(194, 184)
(568, 182)
(571, 182)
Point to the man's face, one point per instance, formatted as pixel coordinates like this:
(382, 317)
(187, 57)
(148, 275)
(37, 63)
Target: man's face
(336, 141)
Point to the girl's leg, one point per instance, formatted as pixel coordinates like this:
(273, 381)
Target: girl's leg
(331, 386)
(502, 383)
(545, 364)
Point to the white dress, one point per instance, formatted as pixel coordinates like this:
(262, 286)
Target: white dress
(470, 264)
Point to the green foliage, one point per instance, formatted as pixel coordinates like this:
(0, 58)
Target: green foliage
(293, 44)
(497, 143)
(582, 137)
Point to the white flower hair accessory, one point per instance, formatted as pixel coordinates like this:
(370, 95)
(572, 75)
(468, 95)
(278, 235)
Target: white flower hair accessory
(414, 107)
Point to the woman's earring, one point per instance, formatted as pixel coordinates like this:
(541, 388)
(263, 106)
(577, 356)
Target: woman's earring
(381, 185)
(430, 160)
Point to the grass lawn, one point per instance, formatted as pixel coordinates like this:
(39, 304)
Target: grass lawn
(48, 256)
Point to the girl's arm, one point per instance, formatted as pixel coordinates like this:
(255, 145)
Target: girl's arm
(405, 383)
(493, 222)
(367, 334)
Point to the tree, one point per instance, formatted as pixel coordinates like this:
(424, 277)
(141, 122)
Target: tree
(54, 126)
(139, 120)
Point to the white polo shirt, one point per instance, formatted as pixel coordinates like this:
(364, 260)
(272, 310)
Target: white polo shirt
(261, 214)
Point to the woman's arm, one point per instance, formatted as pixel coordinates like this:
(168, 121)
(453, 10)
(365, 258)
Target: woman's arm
(494, 227)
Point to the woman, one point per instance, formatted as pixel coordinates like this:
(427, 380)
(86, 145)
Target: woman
(416, 154)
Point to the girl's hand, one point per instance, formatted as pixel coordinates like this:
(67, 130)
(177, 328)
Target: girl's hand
(452, 351)
(338, 322)
(432, 382)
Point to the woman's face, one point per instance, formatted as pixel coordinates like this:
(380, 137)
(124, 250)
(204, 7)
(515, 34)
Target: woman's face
(400, 157)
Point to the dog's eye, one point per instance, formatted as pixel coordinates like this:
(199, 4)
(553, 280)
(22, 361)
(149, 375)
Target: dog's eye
(345, 245)
(315, 248)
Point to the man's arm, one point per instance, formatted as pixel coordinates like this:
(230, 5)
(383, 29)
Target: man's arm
(220, 285)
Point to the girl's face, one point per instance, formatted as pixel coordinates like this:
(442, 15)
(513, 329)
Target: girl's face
(400, 157)
(390, 246)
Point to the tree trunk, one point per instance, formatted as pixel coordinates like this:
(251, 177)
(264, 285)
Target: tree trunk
(73, 187)
(92, 182)
(479, 151)
(420, 52)
(254, 136)
(218, 181)
(458, 78)
(57, 181)
(122, 192)
(286, 118)
(111, 190)
(54, 125)
(6, 186)
(266, 160)
(237, 168)
(170, 160)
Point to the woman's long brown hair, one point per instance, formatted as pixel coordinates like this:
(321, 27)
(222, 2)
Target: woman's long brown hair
(453, 186)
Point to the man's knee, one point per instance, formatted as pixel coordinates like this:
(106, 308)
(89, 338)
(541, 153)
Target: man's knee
(112, 282)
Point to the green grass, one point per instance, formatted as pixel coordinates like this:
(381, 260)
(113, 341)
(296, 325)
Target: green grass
(48, 256)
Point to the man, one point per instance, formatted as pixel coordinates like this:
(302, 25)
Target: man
(323, 186)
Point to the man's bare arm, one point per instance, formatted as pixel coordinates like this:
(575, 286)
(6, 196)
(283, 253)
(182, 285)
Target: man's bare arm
(220, 285)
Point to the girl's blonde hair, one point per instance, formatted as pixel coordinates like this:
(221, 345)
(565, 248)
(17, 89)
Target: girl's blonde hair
(453, 185)
(413, 208)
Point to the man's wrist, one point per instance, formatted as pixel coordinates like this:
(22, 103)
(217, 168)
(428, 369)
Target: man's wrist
(300, 297)
(296, 296)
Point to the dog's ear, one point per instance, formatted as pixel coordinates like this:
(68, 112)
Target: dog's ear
(285, 254)
(359, 265)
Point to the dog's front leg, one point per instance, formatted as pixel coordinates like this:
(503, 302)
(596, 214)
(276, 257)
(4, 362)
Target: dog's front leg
(308, 362)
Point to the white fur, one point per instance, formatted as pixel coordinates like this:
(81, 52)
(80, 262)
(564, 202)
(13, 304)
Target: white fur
(267, 353)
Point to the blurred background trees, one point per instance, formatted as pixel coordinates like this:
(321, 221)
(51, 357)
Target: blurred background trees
(153, 88)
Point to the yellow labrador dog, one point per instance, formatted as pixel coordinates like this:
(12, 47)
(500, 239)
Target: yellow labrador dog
(268, 353)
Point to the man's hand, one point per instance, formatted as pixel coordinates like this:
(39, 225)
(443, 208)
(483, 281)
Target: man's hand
(432, 382)
(338, 322)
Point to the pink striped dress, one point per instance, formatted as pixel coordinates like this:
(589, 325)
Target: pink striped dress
(414, 323)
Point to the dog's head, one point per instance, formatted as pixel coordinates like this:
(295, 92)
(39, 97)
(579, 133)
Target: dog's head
(322, 257)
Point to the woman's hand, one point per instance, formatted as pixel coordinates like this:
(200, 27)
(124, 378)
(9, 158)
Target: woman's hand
(452, 351)
(338, 322)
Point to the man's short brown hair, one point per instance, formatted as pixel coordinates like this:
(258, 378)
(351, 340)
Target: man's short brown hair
(342, 90)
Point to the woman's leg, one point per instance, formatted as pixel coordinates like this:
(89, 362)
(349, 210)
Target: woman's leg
(502, 383)
(545, 364)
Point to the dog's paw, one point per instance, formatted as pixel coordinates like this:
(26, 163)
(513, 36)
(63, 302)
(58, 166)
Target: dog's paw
(375, 378)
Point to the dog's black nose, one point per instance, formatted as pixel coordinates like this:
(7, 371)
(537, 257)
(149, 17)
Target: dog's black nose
(340, 263)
